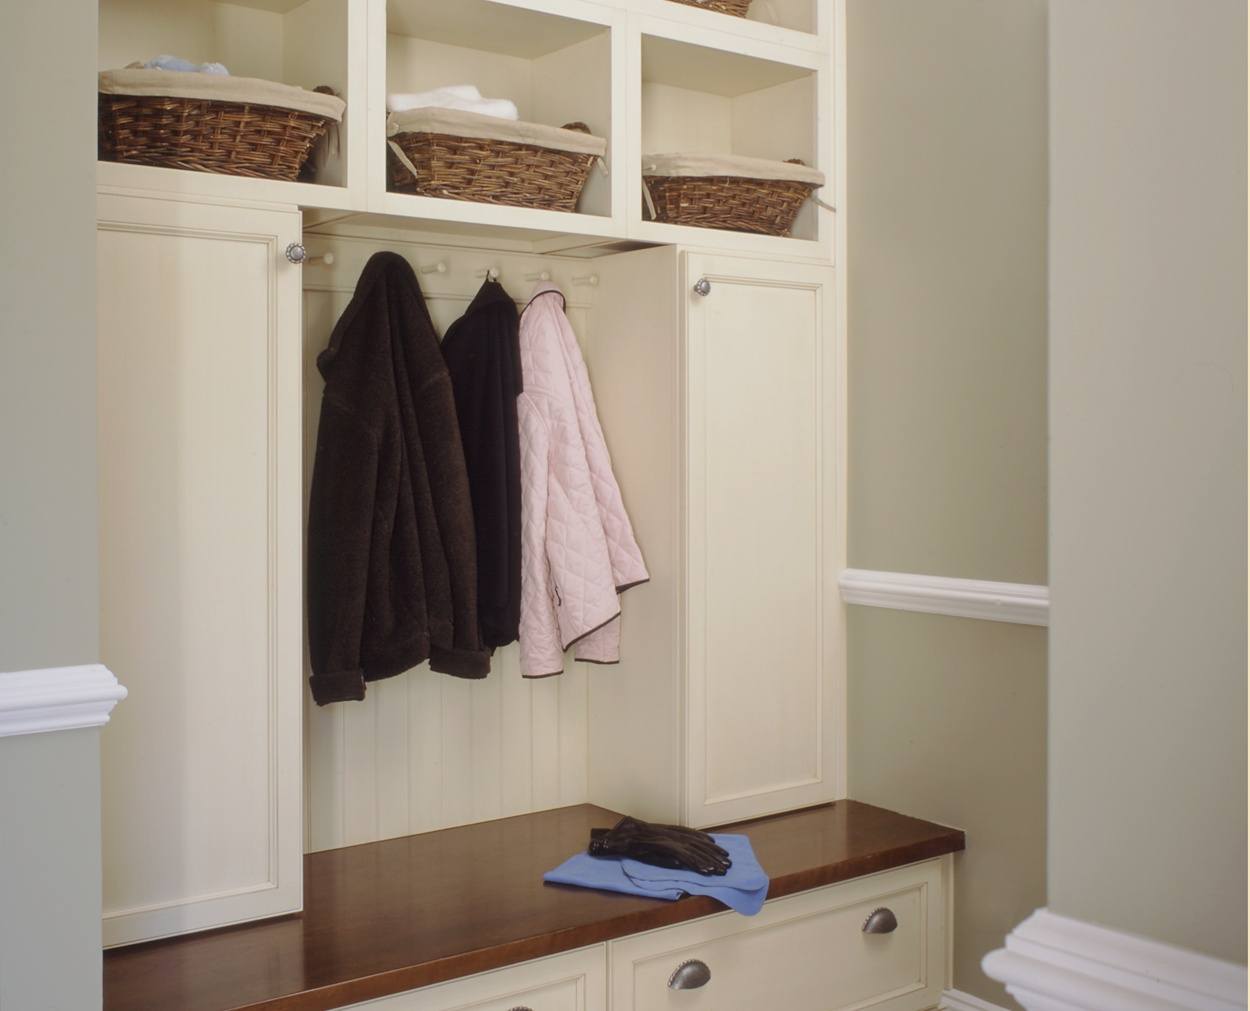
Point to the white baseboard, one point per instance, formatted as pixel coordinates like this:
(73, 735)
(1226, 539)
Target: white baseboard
(57, 698)
(1054, 963)
(1019, 603)
(957, 1000)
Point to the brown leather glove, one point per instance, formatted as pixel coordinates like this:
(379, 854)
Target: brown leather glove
(660, 845)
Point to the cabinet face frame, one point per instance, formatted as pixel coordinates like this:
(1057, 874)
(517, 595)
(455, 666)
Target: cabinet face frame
(281, 889)
(702, 806)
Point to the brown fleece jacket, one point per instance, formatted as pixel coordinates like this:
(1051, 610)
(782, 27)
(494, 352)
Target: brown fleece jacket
(392, 574)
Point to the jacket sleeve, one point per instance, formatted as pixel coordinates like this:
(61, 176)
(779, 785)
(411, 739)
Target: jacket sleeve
(541, 654)
(340, 524)
(463, 655)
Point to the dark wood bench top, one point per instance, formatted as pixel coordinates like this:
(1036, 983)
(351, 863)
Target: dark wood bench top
(390, 916)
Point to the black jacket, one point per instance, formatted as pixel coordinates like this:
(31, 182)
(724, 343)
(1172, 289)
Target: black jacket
(483, 355)
(391, 560)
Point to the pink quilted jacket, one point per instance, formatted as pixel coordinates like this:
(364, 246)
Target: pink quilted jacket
(578, 551)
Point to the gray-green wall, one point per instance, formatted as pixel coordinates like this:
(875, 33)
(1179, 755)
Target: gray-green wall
(1148, 469)
(49, 609)
(947, 357)
(50, 871)
(49, 783)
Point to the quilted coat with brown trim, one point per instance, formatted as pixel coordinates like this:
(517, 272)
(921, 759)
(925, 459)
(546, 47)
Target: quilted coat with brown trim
(578, 550)
(391, 558)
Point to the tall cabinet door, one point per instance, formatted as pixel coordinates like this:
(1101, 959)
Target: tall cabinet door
(763, 518)
(200, 531)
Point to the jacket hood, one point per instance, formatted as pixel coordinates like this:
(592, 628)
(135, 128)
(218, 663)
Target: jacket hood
(545, 288)
(489, 296)
(383, 268)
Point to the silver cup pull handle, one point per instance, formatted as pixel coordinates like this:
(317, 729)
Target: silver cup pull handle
(690, 975)
(881, 921)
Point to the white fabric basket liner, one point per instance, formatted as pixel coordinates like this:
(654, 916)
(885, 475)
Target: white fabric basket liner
(729, 165)
(218, 88)
(472, 124)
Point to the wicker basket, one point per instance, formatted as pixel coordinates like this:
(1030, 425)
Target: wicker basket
(228, 125)
(739, 194)
(466, 156)
(738, 8)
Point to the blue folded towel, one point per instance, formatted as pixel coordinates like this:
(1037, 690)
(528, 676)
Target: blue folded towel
(743, 888)
(167, 62)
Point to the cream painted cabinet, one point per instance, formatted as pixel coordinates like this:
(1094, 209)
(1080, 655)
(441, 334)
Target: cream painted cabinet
(200, 530)
(718, 383)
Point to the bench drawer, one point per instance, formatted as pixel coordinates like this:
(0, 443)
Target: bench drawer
(572, 981)
(806, 952)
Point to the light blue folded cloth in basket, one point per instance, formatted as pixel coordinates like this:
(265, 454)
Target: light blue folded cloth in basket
(167, 62)
(743, 888)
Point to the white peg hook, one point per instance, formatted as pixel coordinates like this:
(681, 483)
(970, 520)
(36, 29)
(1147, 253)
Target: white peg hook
(541, 275)
(435, 268)
(490, 273)
(590, 279)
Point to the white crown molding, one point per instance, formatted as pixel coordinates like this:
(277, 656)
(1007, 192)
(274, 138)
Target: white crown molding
(1020, 603)
(1054, 963)
(57, 698)
(957, 1000)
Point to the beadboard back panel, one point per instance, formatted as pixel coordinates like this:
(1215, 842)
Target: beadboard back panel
(425, 751)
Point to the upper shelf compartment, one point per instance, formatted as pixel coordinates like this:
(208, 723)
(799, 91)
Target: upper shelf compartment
(698, 100)
(555, 68)
(803, 23)
(304, 43)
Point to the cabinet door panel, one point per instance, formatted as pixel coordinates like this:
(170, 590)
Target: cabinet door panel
(761, 538)
(199, 428)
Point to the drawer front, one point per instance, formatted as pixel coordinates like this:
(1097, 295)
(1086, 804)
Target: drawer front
(573, 981)
(807, 952)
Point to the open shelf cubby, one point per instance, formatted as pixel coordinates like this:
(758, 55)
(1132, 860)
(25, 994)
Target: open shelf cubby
(698, 100)
(528, 56)
(794, 15)
(298, 42)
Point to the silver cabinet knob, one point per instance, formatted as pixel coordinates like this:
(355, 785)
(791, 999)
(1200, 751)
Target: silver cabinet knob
(296, 253)
(690, 975)
(881, 921)
(702, 286)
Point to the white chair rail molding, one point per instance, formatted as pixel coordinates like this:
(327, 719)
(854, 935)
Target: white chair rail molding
(57, 698)
(1055, 963)
(1019, 603)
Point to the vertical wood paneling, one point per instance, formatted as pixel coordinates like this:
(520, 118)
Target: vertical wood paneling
(425, 751)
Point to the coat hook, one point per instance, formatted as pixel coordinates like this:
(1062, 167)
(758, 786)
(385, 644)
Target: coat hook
(435, 268)
(297, 254)
(541, 275)
(490, 273)
(590, 279)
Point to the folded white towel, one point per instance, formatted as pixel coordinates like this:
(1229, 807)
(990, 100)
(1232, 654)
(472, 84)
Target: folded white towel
(402, 101)
(461, 97)
(167, 62)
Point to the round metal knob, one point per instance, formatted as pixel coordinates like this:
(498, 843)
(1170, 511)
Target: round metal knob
(702, 286)
(690, 975)
(881, 921)
(296, 253)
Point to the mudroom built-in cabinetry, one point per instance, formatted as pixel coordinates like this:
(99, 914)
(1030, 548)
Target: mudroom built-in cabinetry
(717, 361)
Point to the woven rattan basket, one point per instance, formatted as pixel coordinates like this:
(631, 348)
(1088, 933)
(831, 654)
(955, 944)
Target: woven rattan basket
(228, 125)
(738, 8)
(739, 194)
(466, 156)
